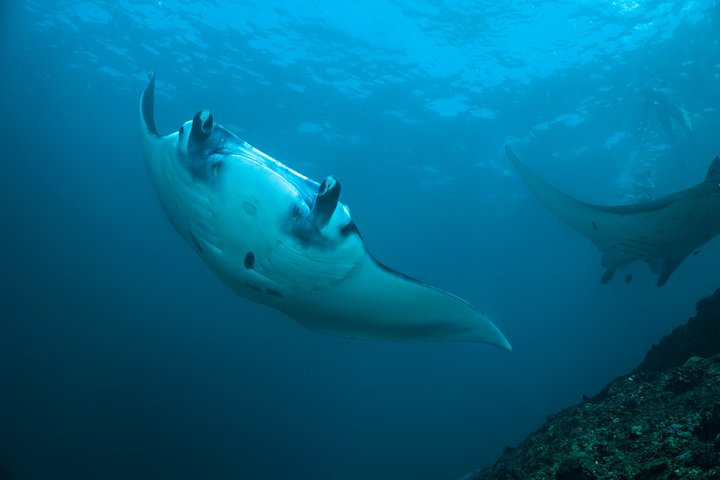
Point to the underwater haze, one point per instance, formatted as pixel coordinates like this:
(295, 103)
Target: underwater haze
(123, 356)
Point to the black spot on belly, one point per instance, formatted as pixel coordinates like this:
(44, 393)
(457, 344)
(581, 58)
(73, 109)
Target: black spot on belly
(249, 260)
(274, 293)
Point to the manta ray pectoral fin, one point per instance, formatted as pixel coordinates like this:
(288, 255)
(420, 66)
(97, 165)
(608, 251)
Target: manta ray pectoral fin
(376, 302)
(714, 169)
(326, 202)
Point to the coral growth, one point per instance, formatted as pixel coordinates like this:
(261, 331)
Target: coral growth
(660, 422)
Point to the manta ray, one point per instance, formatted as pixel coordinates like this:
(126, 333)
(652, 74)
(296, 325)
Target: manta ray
(283, 240)
(661, 232)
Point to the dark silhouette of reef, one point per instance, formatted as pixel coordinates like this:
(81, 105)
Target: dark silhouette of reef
(661, 422)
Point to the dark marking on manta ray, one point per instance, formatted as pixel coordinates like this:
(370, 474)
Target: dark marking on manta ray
(273, 292)
(607, 276)
(349, 229)
(643, 241)
(595, 226)
(624, 247)
(629, 277)
(195, 243)
(249, 208)
(633, 245)
(249, 260)
(696, 252)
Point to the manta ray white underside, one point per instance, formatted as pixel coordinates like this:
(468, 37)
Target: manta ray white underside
(283, 240)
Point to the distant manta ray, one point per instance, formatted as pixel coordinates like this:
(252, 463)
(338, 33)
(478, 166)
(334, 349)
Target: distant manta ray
(661, 232)
(280, 239)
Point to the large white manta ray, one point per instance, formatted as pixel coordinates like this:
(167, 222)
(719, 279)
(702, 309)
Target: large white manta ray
(661, 232)
(280, 239)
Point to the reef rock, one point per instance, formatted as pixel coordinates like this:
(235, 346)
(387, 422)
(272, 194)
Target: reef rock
(660, 422)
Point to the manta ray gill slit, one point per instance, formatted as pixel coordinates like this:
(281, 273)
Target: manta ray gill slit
(249, 260)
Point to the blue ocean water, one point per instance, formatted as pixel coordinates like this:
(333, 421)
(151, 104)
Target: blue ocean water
(122, 356)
